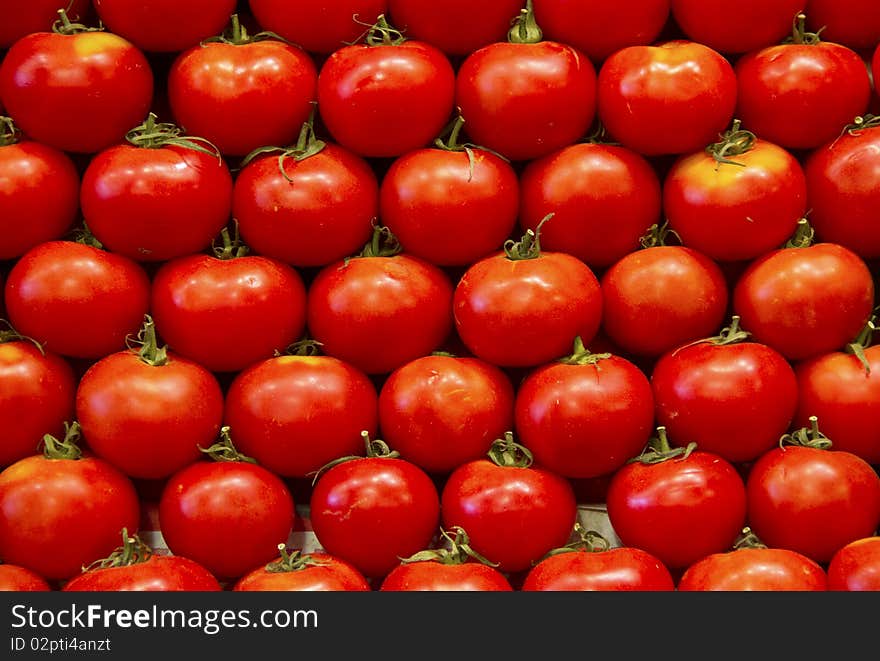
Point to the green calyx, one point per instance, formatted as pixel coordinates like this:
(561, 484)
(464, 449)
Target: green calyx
(457, 551)
(529, 246)
(382, 244)
(799, 34)
(658, 235)
(582, 356)
(67, 448)
(9, 132)
(586, 541)
(225, 450)
(304, 347)
(307, 145)
(863, 341)
(803, 237)
(860, 123)
(451, 134)
(12, 335)
(375, 449)
(525, 29)
(152, 134)
(807, 437)
(508, 453)
(236, 34)
(289, 562)
(748, 540)
(659, 450)
(381, 33)
(63, 25)
(230, 245)
(146, 345)
(132, 552)
(734, 142)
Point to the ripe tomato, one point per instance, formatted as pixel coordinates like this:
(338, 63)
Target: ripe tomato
(673, 97)
(523, 307)
(514, 512)
(162, 196)
(381, 309)
(732, 397)
(134, 568)
(855, 567)
(75, 299)
(27, 169)
(442, 411)
(586, 414)
(800, 95)
(61, 509)
(20, 579)
(303, 572)
(21, 19)
(229, 310)
(679, 505)
(76, 89)
(853, 23)
(736, 200)
(373, 510)
(228, 514)
(294, 414)
(526, 97)
(603, 197)
(812, 499)
(242, 92)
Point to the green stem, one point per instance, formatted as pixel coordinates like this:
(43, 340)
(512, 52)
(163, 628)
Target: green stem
(225, 450)
(147, 345)
(582, 356)
(589, 541)
(659, 450)
(799, 34)
(748, 540)
(803, 236)
(529, 246)
(807, 437)
(67, 448)
(459, 551)
(375, 449)
(231, 246)
(382, 244)
(132, 552)
(290, 562)
(734, 142)
(9, 133)
(510, 454)
(63, 25)
(658, 235)
(525, 28)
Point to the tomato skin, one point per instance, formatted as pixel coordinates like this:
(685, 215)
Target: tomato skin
(804, 302)
(79, 301)
(241, 97)
(433, 576)
(61, 514)
(526, 100)
(795, 492)
(735, 212)
(329, 574)
(322, 215)
(440, 412)
(295, 414)
(754, 569)
(97, 82)
(684, 87)
(155, 204)
(615, 570)
(386, 100)
(855, 567)
(19, 579)
(603, 197)
(390, 502)
(161, 573)
(35, 16)
(853, 23)
(27, 169)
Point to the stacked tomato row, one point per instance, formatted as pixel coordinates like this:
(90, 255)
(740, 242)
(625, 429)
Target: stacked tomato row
(440, 271)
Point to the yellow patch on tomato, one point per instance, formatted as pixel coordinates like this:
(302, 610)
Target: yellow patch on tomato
(89, 43)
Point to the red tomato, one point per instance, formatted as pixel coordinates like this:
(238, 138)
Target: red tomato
(585, 415)
(387, 96)
(164, 195)
(732, 397)
(229, 310)
(442, 411)
(20, 19)
(76, 89)
(319, 26)
(77, 300)
(60, 510)
(165, 25)
(674, 97)
(298, 572)
(736, 200)
(294, 414)
(242, 92)
(854, 23)
(524, 307)
(855, 567)
(800, 95)
(373, 510)
(603, 197)
(19, 579)
(678, 505)
(229, 514)
(27, 169)
(514, 512)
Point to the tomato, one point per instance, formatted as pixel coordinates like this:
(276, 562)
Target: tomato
(373, 510)
(61, 509)
(20, 579)
(603, 197)
(442, 411)
(731, 397)
(381, 309)
(738, 26)
(20, 19)
(642, 318)
(76, 89)
(75, 299)
(162, 196)
(27, 168)
(450, 204)
(738, 199)
(387, 96)
(673, 97)
(303, 572)
(526, 97)
(854, 23)
(679, 505)
(227, 514)
(134, 568)
(523, 307)
(296, 413)
(165, 25)
(513, 511)
(242, 92)
(800, 95)
(318, 26)
(307, 205)
(855, 567)
(229, 310)
(586, 414)
(807, 301)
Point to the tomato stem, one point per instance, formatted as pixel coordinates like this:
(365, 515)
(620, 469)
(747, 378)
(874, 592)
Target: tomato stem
(451, 143)
(659, 450)
(862, 122)
(586, 541)
(155, 135)
(582, 356)
(307, 145)
(734, 142)
(149, 350)
(289, 562)
(748, 540)
(657, 235)
(525, 28)
(383, 34)
(12, 335)
(799, 34)
(529, 246)
(458, 552)
(508, 453)
(225, 450)
(132, 552)
(67, 448)
(803, 236)
(63, 25)
(808, 437)
(9, 132)
(232, 246)
(382, 244)
(304, 347)
(374, 449)
(863, 341)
